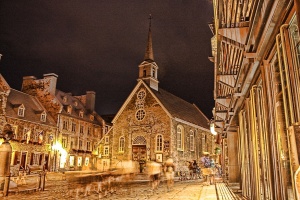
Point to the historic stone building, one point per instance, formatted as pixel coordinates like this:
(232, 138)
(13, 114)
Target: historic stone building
(80, 128)
(257, 81)
(154, 124)
(34, 129)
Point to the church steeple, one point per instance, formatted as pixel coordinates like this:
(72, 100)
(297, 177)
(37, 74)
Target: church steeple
(148, 68)
(149, 51)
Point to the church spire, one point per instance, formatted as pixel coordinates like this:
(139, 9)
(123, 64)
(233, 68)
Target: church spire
(149, 51)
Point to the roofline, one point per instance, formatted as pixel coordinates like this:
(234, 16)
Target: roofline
(191, 124)
(53, 126)
(200, 111)
(140, 82)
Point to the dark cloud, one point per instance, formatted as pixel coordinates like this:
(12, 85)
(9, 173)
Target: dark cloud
(97, 45)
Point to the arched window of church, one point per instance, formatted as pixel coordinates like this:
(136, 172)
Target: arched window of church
(159, 143)
(121, 144)
(180, 136)
(192, 141)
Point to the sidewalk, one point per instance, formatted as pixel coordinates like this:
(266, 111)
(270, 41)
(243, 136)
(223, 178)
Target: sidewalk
(208, 193)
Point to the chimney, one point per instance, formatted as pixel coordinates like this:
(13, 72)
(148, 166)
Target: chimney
(52, 82)
(90, 100)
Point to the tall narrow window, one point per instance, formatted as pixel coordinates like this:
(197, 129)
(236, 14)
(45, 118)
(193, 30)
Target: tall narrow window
(43, 116)
(180, 137)
(192, 141)
(159, 143)
(81, 129)
(88, 146)
(69, 110)
(65, 125)
(121, 144)
(21, 111)
(73, 127)
(106, 150)
(64, 142)
(80, 144)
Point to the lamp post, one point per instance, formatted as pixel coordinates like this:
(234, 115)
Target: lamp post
(5, 158)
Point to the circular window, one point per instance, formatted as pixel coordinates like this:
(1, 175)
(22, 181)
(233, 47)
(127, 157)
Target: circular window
(140, 114)
(141, 94)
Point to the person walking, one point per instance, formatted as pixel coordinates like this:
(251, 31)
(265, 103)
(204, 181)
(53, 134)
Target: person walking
(169, 169)
(154, 170)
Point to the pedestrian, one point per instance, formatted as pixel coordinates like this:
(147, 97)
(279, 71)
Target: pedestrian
(169, 169)
(154, 170)
(206, 170)
(194, 166)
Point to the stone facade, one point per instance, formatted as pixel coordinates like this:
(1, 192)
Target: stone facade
(80, 128)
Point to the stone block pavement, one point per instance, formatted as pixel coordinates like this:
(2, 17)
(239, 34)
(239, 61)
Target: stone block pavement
(56, 188)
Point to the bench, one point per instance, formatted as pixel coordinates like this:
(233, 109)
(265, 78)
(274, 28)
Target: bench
(224, 192)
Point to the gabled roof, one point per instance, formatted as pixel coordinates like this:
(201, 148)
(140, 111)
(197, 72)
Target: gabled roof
(174, 106)
(33, 108)
(77, 107)
(181, 109)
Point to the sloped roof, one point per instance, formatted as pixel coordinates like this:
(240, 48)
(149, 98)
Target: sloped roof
(33, 108)
(77, 106)
(181, 109)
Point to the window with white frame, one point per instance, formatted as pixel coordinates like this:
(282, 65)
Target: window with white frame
(121, 144)
(180, 137)
(159, 143)
(106, 150)
(43, 116)
(192, 141)
(36, 158)
(72, 161)
(26, 133)
(21, 111)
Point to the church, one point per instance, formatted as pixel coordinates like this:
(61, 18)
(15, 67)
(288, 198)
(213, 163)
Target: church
(153, 124)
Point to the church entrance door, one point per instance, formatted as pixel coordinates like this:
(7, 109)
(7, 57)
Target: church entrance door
(139, 153)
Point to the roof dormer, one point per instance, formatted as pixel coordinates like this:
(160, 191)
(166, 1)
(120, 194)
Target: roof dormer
(21, 110)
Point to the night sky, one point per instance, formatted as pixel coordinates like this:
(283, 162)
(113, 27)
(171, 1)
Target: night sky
(98, 45)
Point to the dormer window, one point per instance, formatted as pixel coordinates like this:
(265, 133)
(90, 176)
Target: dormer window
(43, 116)
(69, 110)
(21, 111)
(65, 99)
(92, 117)
(81, 114)
(75, 103)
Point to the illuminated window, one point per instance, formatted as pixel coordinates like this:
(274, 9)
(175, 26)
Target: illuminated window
(81, 114)
(69, 109)
(87, 160)
(92, 117)
(192, 141)
(180, 137)
(21, 111)
(159, 143)
(36, 159)
(140, 114)
(121, 144)
(79, 161)
(64, 142)
(65, 99)
(43, 116)
(72, 161)
(106, 150)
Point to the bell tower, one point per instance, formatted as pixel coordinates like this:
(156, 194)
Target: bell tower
(148, 68)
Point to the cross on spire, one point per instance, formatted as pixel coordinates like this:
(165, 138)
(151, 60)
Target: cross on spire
(149, 50)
